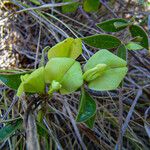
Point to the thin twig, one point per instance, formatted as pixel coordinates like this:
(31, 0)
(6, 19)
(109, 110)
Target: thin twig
(137, 58)
(74, 125)
(128, 118)
(15, 99)
(105, 4)
(120, 139)
(31, 133)
(30, 127)
(38, 47)
(59, 147)
(46, 6)
(124, 127)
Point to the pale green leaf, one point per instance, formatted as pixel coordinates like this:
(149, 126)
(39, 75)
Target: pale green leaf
(133, 46)
(102, 41)
(56, 68)
(72, 80)
(32, 83)
(70, 48)
(104, 57)
(110, 80)
(112, 76)
(66, 71)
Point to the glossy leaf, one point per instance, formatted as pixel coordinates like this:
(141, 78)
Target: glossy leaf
(87, 109)
(9, 130)
(70, 7)
(122, 52)
(113, 25)
(102, 41)
(32, 83)
(66, 71)
(137, 31)
(68, 48)
(90, 5)
(133, 46)
(112, 76)
(12, 80)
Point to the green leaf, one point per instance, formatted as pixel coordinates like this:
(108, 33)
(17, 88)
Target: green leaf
(11, 80)
(102, 41)
(65, 71)
(32, 83)
(36, 2)
(90, 122)
(112, 76)
(113, 25)
(133, 46)
(122, 52)
(68, 48)
(87, 109)
(90, 5)
(137, 31)
(70, 7)
(8, 130)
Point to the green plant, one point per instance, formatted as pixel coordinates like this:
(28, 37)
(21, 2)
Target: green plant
(72, 5)
(62, 73)
(139, 36)
(88, 6)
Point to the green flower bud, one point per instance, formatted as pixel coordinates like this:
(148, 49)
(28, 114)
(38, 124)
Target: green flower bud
(95, 72)
(55, 86)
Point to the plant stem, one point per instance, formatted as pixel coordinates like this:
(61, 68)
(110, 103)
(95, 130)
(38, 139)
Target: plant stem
(30, 126)
(31, 133)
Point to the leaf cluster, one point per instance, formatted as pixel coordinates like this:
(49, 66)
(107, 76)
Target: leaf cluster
(64, 74)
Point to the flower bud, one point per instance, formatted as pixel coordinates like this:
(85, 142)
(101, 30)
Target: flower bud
(95, 72)
(55, 86)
